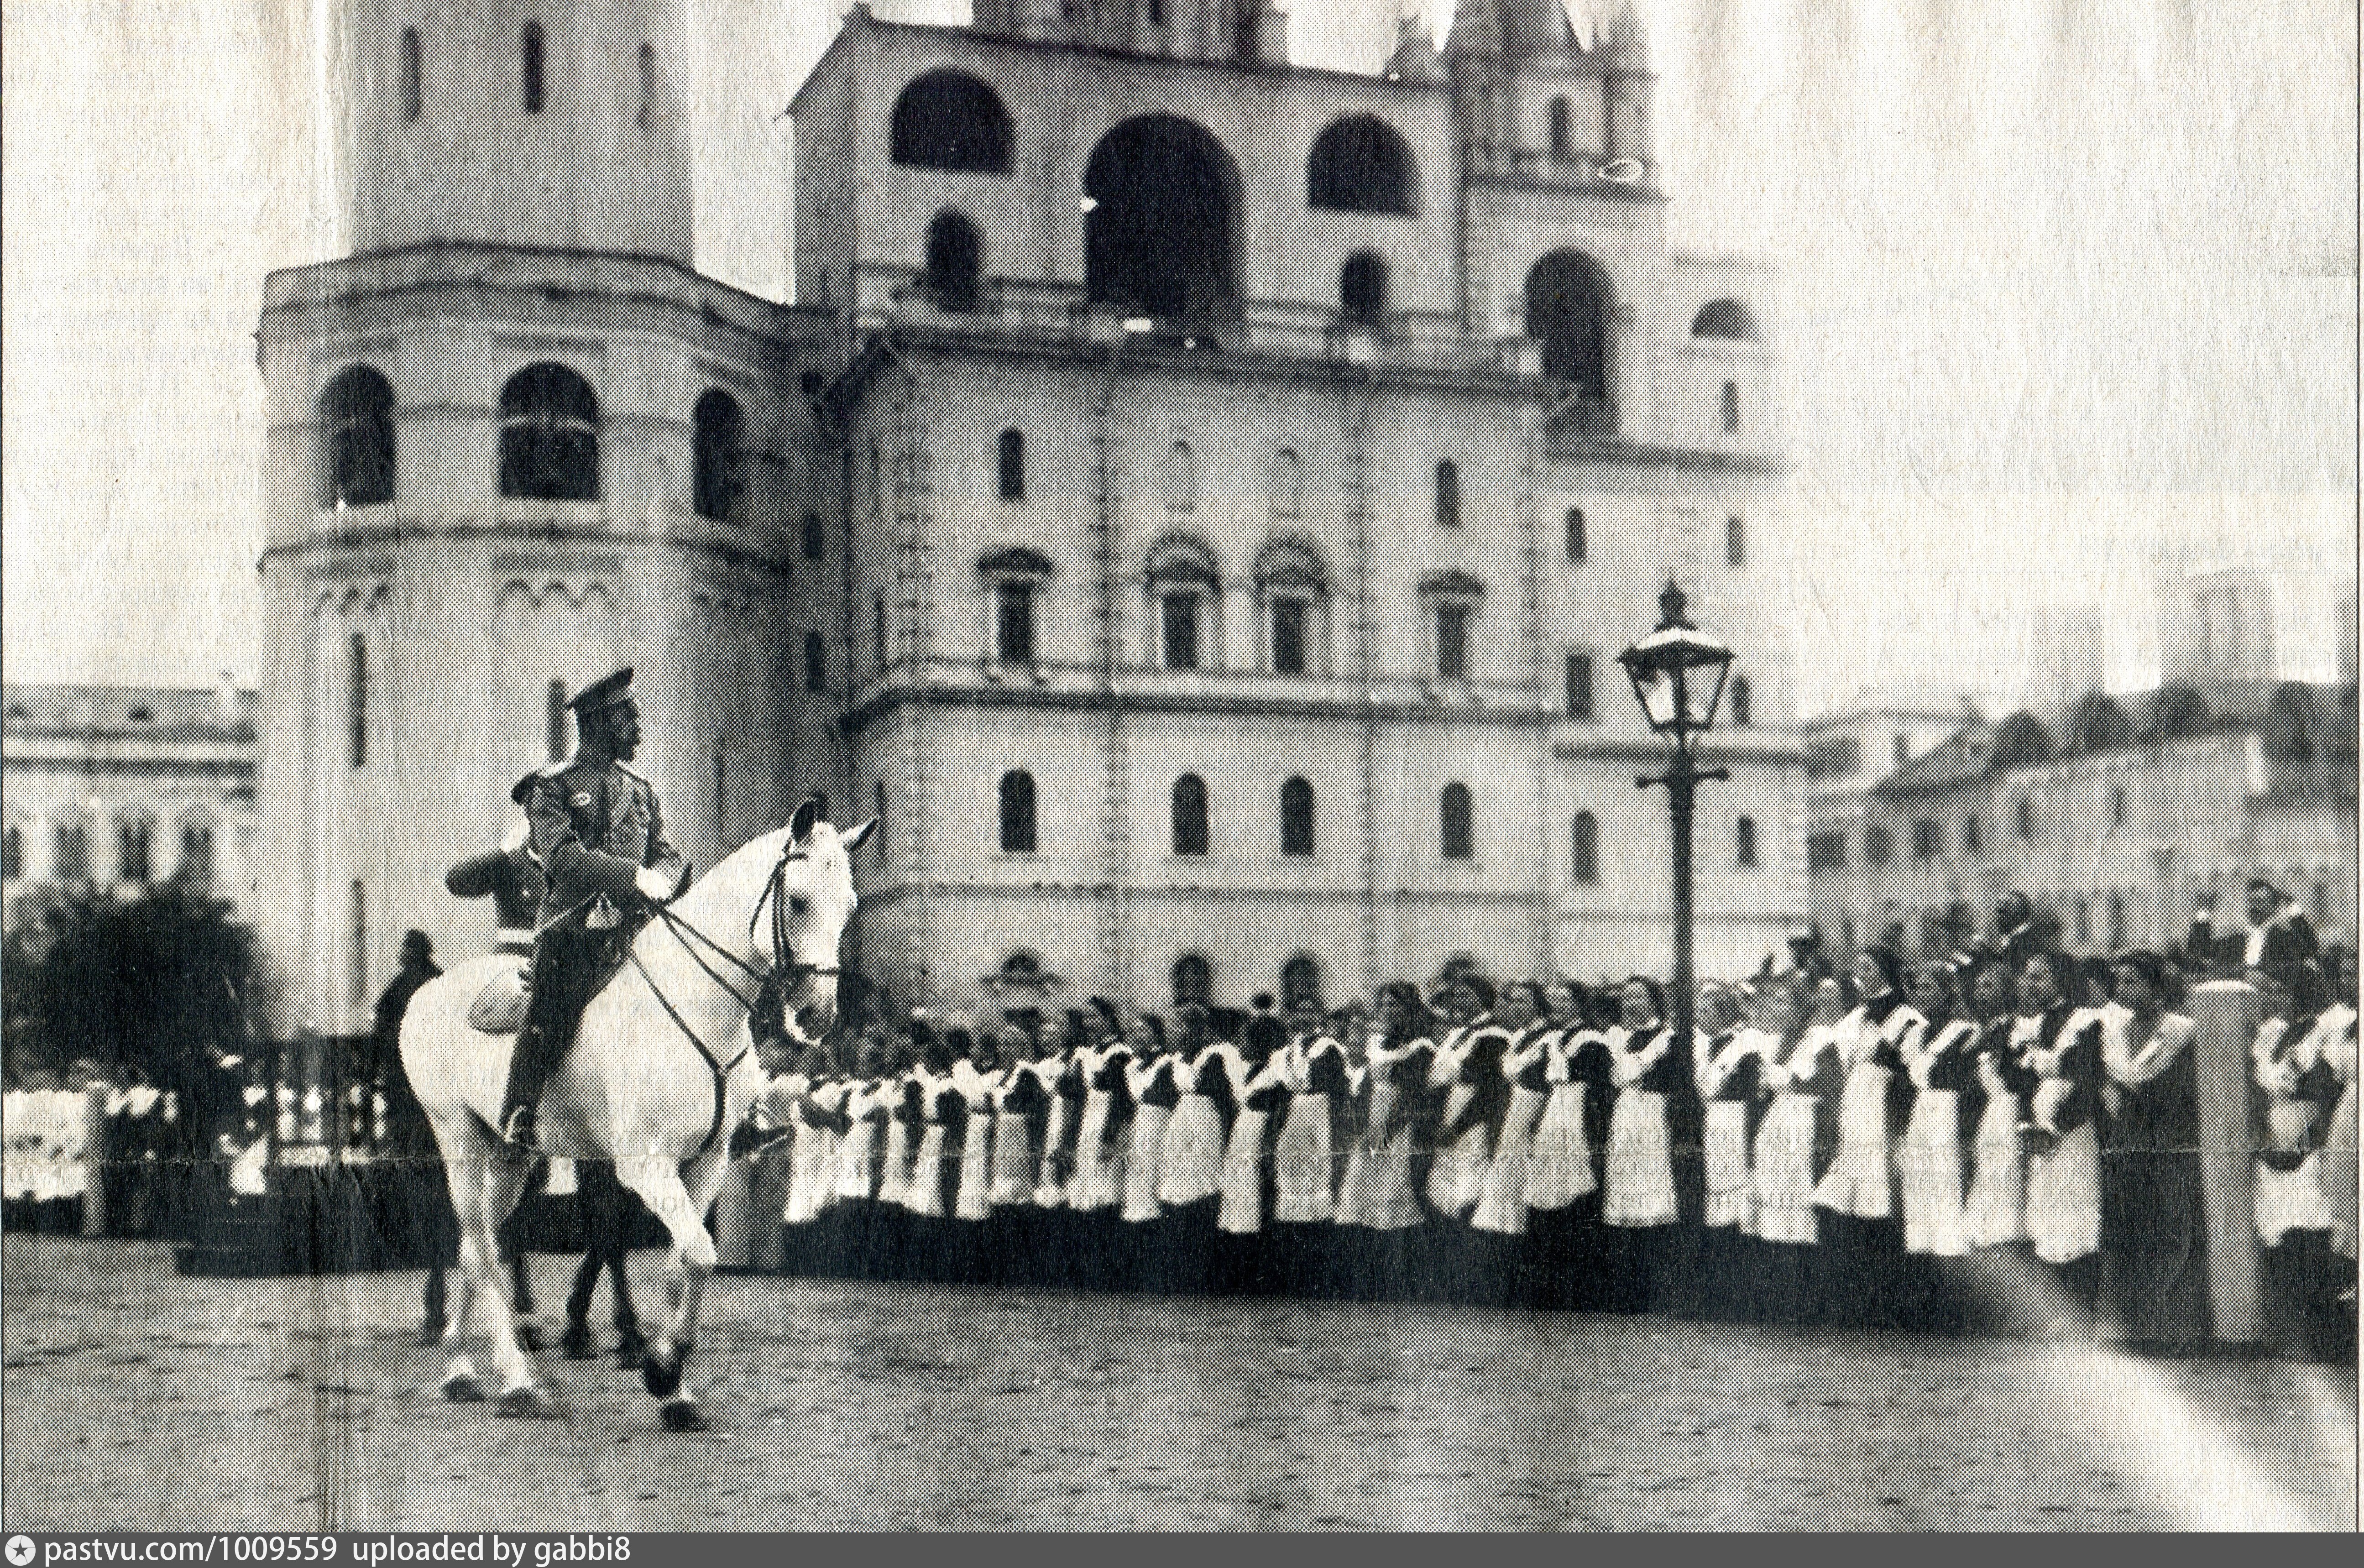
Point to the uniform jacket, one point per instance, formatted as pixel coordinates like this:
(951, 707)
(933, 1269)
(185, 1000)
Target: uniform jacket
(510, 879)
(594, 826)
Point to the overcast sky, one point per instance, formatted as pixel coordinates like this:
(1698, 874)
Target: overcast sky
(2070, 283)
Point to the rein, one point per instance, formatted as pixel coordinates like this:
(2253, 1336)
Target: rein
(784, 960)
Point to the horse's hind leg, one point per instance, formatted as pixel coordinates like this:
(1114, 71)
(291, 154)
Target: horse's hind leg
(491, 1194)
(659, 1183)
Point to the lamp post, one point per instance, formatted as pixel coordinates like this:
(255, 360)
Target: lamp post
(1678, 674)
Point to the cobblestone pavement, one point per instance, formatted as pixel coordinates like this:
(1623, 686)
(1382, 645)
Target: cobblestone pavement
(137, 1399)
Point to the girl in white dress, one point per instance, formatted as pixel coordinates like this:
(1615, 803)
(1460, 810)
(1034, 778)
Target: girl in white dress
(1643, 1062)
(2337, 1048)
(1016, 1100)
(1190, 1157)
(1871, 1041)
(1105, 1135)
(2296, 1089)
(2059, 1051)
(1799, 1077)
(1939, 1060)
(1304, 1169)
(1150, 1077)
(1376, 1205)
(1466, 1073)
(1995, 1213)
(1724, 1072)
(1562, 1194)
(1062, 1070)
(1260, 1086)
(1503, 1202)
(978, 1077)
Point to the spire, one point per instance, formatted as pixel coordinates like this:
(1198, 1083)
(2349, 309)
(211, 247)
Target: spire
(1415, 59)
(1509, 29)
(1623, 38)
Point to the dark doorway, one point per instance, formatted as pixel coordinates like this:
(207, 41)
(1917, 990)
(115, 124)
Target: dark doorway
(1160, 230)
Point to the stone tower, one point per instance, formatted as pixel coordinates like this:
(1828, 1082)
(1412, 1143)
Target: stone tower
(515, 441)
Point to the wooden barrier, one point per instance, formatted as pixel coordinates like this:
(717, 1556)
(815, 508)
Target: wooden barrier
(2226, 1012)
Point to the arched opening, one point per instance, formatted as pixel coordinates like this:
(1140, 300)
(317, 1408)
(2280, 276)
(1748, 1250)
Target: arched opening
(1018, 812)
(1742, 703)
(816, 662)
(721, 458)
(1300, 981)
(1161, 222)
(550, 436)
(1568, 313)
(1455, 830)
(1745, 834)
(1194, 980)
(1010, 465)
(1363, 289)
(1360, 165)
(529, 67)
(1563, 134)
(197, 867)
(357, 439)
(1297, 817)
(414, 85)
(1190, 815)
(1584, 843)
(647, 114)
(955, 262)
(554, 715)
(949, 119)
(1731, 408)
(1724, 318)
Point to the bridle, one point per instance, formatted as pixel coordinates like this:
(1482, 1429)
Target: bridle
(785, 963)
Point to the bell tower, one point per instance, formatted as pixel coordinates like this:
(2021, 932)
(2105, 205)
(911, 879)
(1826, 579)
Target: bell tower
(550, 124)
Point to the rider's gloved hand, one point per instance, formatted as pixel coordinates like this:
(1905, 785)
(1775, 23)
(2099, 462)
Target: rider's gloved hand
(656, 884)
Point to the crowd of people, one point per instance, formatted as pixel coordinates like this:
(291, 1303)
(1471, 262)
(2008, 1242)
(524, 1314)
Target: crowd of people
(1886, 1148)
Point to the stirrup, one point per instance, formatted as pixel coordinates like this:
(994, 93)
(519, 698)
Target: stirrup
(518, 1134)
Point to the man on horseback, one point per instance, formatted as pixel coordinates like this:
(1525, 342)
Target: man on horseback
(600, 839)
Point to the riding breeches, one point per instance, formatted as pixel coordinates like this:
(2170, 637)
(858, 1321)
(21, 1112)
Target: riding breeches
(569, 964)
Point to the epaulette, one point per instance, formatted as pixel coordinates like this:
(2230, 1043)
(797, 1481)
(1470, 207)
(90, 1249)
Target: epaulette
(628, 774)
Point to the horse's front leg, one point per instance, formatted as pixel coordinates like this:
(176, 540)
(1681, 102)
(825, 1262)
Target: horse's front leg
(661, 1185)
(499, 1181)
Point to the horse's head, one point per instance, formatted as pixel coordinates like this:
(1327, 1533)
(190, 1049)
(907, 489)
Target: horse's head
(811, 899)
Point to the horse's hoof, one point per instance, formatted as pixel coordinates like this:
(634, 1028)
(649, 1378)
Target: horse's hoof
(431, 1333)
(660, 1369)
(461, 1388)
(529, 1403)
(632, 1350)
(683, 1415)
(530, 1338)
(576, 1345)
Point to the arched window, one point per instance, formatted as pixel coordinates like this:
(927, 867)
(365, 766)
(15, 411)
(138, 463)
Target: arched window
(1568, 306)
(357, 701)
(132, 836)
(1563, 138)
(1291, 587)
(70, 853)
(1578, 682)
(1731, 408)
(1018, 812)
(1182, 583)
(1363, 289)
(529, 66)
(553, 720)
(1011, 459)
(1161, 221)
(1584, 849)
(816, 536)
(357, 439)
(1180, 478)
(1971, 834)
(1878, 845)
(1360, 165)
(1296, 818)
(1456, 833)
(1745, 833)
(1448, 494)
(2024, 815)
(12, 853)
(1578, 547)
(414, 84)
(878, 631)
(1016, 578)
(816, 662)
(648, 109)
(550, 436)
(1735, 542)
(1453, 598)
(1190, 815)
(1724, 318)
(1286, 485)
(949, 119)
(1194, 980)
(955, 262)
(1742, 703)
(1300, 981)
(721, 458)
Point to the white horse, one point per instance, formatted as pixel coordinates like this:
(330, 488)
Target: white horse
(660, 1071)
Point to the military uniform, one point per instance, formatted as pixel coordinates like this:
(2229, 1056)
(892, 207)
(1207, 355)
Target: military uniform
(512, 879)
(596, 825)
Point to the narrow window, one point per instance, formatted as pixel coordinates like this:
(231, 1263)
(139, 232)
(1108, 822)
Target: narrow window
(530, 59)
(131, 837)
(1735, 542)
(1178, 617)
(1901, 747)
(1194, 980)
(1584, 842)
(1013, 621)
(816, 540)
(955, 263)
(1746, 834)
(1363, 289)
(1454, 832)
(2118, 921)
(719, 438)
(1013, 465)
(2025, 812)
(1448, 494)
(1878, 845)
(816, 662)
(1296, 818)
(1826, 851)
(1928, 840)
(878, 815)
(878, 631)
(1970, 834)
(1289, 624)
(648, 112)
(1452, 642)
(1577, 543)
(1181, 478)
(1562, 137)
(1579, 687)
(1017, 813)
(722, 783)
(2117, 805)
(1731, 407)
(356, 945)
(12, 853)
(357, 439)
(414, 87)
(550, 436)
(1156, 13)
(1190, 815)
(2084, 912)
(553, 720)
(357, 702)
(1742, 703)
(68, 853)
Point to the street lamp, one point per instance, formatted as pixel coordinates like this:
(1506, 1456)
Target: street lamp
(1678, 674)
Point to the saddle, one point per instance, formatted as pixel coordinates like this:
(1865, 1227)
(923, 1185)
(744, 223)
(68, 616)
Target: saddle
(499, 1007)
